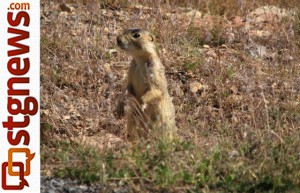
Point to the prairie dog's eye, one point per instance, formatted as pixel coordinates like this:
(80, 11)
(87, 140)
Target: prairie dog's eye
(136, 35)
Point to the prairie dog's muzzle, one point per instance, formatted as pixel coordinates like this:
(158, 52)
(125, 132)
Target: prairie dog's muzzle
(122, 42)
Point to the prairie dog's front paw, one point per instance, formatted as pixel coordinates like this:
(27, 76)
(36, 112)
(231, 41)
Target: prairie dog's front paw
(144, 106)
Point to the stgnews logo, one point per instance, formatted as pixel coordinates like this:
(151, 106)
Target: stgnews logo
(19, 96)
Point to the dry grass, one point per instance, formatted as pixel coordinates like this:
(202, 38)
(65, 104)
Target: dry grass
(240, 131)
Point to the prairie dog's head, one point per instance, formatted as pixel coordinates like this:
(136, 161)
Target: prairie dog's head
(137, 42)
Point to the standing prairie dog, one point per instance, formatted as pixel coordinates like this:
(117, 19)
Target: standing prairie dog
(151, 111)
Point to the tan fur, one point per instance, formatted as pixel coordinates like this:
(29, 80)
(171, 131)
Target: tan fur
(151, 111)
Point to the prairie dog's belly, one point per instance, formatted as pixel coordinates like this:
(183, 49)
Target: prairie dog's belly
(141, 84)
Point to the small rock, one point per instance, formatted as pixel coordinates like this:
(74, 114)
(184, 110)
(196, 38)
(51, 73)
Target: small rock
(233, 154)
(256, 50)
(260, 33)
(234, 89)
(45, 112)
(262, 50)
(230, 37)
(110, 52)
(245, 134)
(237, 21)
(223, 46)
(195, 86)
(206, 46)
(211, 53)
(73, 32)
(67, 8)
(107, 68)
(63, 14)
(106, 30)
(67, 117)
(194, 14)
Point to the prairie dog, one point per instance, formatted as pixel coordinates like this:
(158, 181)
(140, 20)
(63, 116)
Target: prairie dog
(151, 111)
